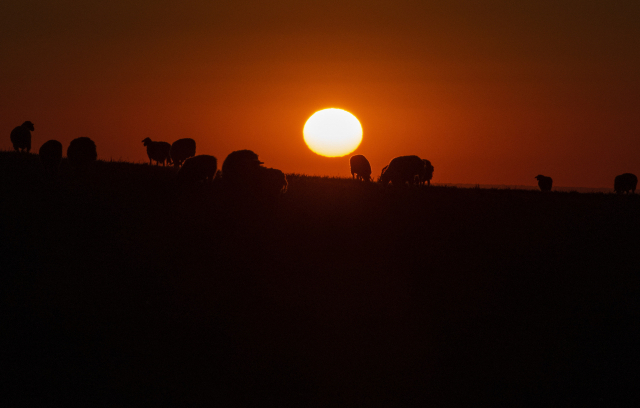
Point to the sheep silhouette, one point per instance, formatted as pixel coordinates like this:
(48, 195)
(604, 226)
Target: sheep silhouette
(625, 183)
(201, 168)
(51, 155)
(158, 151)
(427, 173)
(181, 150)
(240, 168)
(272, 182)
(402, 170)
(544, 182)
(21, 137)
(81, 153)
(360, 167)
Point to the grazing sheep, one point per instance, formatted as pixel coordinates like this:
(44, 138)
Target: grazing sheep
(544, 182)
(51, 156)
(273, 182)
(198, 168)
(427, 173)
(401, 170)
(360, 166)
(382, 172)
(81, 153)
(158, 151)
(625, 183)
(181, 150)
(21, 137)
(240, 168)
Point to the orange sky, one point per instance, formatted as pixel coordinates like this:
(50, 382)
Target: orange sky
(492, 94)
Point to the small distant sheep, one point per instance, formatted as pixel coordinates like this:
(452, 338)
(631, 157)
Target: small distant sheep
(51, 156)
(544, 182)
(181, 150)
(200, 168)
(81, 153)
(272, 182)
(21, 137)
(158, 151)
(240, 168)
(360, 167)
(427, 173)
(625, 183)
(402, 170)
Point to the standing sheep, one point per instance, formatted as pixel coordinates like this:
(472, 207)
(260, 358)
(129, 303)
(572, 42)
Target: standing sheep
(544, 182)
(158, 151)
(81, 153)
(51, 156)
(21, 137)
(240, 168)
(427, 173)
(360, 166)
(625, 183)
(181, 150)
(200, 168)
(401, 170)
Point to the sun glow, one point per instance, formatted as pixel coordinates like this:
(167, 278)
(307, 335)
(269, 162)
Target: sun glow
(332, 132)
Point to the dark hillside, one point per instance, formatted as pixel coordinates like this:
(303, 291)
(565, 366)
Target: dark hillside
(118, 288)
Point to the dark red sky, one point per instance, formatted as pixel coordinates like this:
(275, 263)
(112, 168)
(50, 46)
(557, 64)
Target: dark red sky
(491, 93)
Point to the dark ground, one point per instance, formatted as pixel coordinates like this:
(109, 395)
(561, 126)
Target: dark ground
(119, 289)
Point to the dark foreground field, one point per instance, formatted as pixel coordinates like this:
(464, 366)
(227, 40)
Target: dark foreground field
(119, 289)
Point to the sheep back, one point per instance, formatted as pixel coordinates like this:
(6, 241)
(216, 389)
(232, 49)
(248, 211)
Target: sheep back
(181, 150)
(545, 183)
(51, 155)
(197, 169)
(240, 168)
(625, 183)
(360, 166)
(21, 137)
(81, 152)
(401, 170)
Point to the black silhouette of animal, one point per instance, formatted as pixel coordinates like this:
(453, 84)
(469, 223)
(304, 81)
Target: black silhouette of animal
(360, 167)
(181, 150)
(544, 182)
(402, 170)
(625, 183)
(240, 168)
(427, 173)
(51, 155)
(158, 151)
(272, 182)
(21, 137)
(199, 168)
(81, 153)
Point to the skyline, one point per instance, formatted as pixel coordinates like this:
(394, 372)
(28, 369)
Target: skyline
(490, 94)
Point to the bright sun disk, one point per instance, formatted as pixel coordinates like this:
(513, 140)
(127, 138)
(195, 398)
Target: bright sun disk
(332, 132)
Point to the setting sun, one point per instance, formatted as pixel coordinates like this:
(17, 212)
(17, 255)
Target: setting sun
(332, 132)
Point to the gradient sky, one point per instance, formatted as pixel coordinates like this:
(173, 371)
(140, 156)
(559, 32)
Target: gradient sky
(492, 92)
